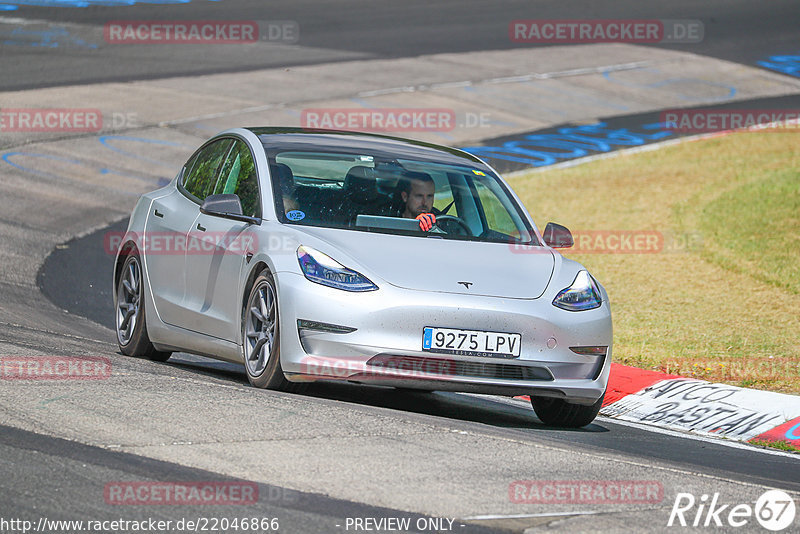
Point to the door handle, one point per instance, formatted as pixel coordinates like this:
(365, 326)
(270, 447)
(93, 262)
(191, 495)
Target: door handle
(158, 213)
(201, 228)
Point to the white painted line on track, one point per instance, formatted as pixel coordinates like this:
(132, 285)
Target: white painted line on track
(450, 85)
(219, 115)
(21, 21)
(426, 87)
(389, 91)
(509, 79)
(525, 516)
(52, 333)
(595, 70)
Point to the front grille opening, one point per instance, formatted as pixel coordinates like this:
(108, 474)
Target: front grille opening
(418, 366)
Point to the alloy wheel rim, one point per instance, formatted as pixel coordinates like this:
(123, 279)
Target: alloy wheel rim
(129, 294)
(260, 329)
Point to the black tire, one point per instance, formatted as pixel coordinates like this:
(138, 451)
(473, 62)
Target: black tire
(264, 369)
(558, 412)
(132, 335)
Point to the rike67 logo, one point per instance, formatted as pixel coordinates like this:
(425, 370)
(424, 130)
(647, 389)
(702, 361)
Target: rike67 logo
(774, 510)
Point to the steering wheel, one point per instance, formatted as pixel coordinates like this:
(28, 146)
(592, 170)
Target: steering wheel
(453, 225)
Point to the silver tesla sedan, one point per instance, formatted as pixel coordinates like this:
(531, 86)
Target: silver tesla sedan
(321, 255)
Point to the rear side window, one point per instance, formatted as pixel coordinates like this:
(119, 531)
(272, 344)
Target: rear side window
(202, 169)
(238, 177)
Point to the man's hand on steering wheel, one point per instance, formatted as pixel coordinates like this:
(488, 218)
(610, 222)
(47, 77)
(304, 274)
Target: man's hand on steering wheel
(426, 221)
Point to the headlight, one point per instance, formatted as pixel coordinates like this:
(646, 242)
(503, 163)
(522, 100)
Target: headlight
(581, 295)
(323, 269)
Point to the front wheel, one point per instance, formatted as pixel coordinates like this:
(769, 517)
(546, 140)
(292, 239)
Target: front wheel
(558, 412)
(261, 336)
(131, 324)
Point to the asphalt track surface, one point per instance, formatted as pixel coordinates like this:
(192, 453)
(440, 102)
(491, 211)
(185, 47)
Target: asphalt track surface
(741, 31)
(43, 475)
(52, 483)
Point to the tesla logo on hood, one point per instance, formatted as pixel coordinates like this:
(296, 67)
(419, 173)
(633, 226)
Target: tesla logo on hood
(466, 284)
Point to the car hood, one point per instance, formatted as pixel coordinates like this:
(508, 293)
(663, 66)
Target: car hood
(438, 265)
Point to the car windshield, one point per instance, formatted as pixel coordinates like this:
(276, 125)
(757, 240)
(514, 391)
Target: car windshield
(364, 192)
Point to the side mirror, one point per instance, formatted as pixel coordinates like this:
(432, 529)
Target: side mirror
(228, 207)
(557, 236)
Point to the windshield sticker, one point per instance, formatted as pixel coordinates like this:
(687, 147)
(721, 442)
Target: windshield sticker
(295, 215)
(479, 173)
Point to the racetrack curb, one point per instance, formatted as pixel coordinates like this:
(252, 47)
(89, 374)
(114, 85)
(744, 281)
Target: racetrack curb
(701, 407)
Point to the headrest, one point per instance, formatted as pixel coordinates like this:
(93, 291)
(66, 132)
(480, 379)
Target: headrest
(282, 173)
(360, 178)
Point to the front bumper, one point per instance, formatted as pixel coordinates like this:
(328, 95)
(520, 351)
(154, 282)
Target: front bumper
(386, 346)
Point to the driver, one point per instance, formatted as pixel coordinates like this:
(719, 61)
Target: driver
(417, 196)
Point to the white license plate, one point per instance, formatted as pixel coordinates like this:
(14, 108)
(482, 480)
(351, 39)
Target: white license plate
(471, 342)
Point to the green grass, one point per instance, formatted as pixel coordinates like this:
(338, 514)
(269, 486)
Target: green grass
(780, 445)
(756, 228)
(725, 308)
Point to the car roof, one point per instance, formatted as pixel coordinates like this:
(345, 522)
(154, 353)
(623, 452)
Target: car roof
(300, 139)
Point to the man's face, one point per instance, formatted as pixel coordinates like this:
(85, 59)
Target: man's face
(419, 199)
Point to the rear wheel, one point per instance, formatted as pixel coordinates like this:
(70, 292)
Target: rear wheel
(261, 336)
(131, 324)
(558, 412)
